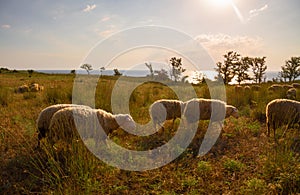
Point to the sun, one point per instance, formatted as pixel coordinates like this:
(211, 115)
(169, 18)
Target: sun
(221, 2)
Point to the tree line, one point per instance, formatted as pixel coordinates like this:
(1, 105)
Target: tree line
(234, 66)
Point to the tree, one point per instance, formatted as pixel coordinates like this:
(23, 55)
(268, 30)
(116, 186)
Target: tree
(241, 69)
(291, 69)
(72, 71)
(101, 70)
(161, 75)
(117, 72)
(87, 67)
(227, 69)
(149, 66)
(259, 68)
(30, 72)
(176, 69)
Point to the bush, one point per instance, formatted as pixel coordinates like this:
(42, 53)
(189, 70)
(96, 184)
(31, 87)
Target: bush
(58, 96)
(4, 96)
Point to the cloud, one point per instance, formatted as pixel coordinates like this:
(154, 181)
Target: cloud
(5, 26)
(89, 8)
(105, 33)
(218, 44)
(106, 18)
(256, 12)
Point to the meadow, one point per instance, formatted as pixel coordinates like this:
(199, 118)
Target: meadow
(243, 160)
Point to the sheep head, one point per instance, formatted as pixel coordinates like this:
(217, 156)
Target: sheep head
(231, 111)
(125, 121)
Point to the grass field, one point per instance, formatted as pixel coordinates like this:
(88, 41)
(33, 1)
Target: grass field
(243, 160)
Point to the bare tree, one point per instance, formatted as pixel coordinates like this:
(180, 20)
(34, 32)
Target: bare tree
(117, 72)
(101, 70)
(150, 69)
(87, 67)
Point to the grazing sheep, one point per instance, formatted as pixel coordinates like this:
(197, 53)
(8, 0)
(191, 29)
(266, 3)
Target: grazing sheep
(45, 116)
(291, 93)
(255, 87)
(41, 88)
(275, 87)
(22, 89)
(201, 109)
(238, 89)
(165, 109)
(296, 85)
(282, 112)
(247, 88)
(287, 87)
(34, 87)
(66, 122)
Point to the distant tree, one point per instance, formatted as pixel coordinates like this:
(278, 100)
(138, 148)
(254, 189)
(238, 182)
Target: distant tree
(117, 72)
(176, 69)
(291, 69)
(198, 77)
(72, 71)
(161, 75)
(101, 70)
(241, 69)
(149, 66)
(30, 72)
(87, 67)
(227, 69)
(259, 68)
(184, 79)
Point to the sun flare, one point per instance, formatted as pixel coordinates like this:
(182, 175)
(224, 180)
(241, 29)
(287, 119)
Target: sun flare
(221, 2)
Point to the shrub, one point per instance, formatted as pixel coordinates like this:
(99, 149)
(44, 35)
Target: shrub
(255, 186)
(233, 165)
(4, 96)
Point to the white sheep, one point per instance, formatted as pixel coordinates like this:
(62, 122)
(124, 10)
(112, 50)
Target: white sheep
(282, 112)
(208, 109)
(291, 93)
(296, 85)
(66, 123)
(22, 89)
(165, 109)
(255, 87)
(45, 116)
(275, 87)
(34, 87)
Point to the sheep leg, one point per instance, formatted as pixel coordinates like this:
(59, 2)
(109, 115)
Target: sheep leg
(268, 128)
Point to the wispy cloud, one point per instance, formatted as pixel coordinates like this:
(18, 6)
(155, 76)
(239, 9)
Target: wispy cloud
(106, 18)
(6, 26)
(218, 44)
(256, 12)
(105, 33)
(89, 8)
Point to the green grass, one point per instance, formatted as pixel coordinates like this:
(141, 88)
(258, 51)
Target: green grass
(243, 160)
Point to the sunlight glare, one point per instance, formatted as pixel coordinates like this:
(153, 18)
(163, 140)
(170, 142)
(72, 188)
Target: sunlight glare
(221, 2)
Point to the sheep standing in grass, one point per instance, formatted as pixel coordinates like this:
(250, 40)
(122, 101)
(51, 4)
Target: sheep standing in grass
(45, 117)
(66, 123)
(255, 87)
(208, 109)
(282, 112)
(22, 89)
(34, 87)
(165, 109)
(275, 87)
(296, 85)
(291, 93)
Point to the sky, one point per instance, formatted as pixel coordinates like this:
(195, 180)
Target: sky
(63, 34)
